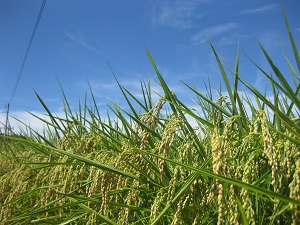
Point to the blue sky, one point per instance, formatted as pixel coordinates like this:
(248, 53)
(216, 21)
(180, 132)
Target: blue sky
(76, 39)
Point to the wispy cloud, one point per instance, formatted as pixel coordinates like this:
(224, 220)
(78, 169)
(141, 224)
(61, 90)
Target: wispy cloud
(201, 36)
(260, 10)
(78, 37)
(269, 40)
(178, 14)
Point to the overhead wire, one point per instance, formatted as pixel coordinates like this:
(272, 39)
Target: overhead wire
(7, 126)
(27, 51)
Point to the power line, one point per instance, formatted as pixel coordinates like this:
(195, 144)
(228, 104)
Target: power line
(7, 125)
(27, 51)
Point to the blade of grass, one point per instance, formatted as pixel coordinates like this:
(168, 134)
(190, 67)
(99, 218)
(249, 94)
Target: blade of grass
(294, 47)
(284, 119)
(86, 208)
(229, 90)
(245, 221)
(284, 84)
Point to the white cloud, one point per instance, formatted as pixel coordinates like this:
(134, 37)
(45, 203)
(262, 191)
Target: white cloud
(177, 14)
(260, 10)
(26, 118)
(201, 36)
(269, 40)
(78, 37)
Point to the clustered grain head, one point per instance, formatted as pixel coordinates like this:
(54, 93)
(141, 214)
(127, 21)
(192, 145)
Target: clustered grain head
(246, 159)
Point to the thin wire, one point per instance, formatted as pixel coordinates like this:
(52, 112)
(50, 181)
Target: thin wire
(27, 51)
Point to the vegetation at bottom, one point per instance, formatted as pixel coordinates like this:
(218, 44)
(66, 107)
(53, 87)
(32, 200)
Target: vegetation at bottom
(240, 164)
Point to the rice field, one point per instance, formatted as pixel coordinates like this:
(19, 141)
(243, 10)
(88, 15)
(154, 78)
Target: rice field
(150, 165)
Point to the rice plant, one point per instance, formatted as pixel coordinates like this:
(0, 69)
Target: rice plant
(149, 165)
